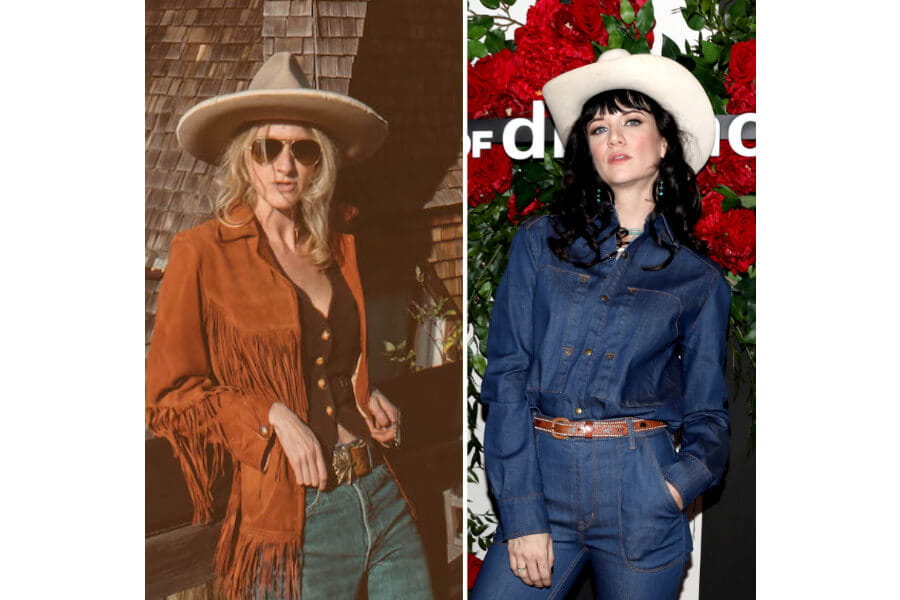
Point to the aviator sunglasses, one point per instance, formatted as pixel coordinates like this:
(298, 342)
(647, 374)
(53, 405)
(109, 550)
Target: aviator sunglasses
(264, 151)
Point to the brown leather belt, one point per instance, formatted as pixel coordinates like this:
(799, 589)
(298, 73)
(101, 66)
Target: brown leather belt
(352, 460)
(561, 427)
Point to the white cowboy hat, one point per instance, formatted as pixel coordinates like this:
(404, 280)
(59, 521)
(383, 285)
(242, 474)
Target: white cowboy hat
(280, 92)
(663, 79)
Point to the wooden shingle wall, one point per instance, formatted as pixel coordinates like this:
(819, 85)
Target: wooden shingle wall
(445, 218)
(326, 33)
(195, 49)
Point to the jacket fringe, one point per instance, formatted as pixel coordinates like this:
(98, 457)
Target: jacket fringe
(193, 434)
(259, 364)
(250, 567)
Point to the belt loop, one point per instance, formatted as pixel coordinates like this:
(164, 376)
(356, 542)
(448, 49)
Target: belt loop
(631, 444)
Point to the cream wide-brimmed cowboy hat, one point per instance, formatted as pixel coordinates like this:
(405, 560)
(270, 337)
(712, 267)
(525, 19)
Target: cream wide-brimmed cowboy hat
(280, 92)
(663, 79)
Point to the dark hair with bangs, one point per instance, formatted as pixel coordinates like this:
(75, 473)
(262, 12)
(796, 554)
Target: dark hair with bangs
(577, 212)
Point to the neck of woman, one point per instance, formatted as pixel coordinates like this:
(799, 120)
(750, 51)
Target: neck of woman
(278, 226)
(633, 204)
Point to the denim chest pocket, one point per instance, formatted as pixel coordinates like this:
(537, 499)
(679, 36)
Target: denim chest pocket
(655, 314)
(654, 323)
(559, 302)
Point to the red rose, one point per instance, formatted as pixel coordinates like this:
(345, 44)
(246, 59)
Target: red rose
(730, 236)
(489, 88)
(579, 21)
(741, 97)
(480, 91)
(587, 18)
(473, 565)
(742, 64)
(489, 174)
(729, 169)
(541, 56)
(740, 82)
(514, 214)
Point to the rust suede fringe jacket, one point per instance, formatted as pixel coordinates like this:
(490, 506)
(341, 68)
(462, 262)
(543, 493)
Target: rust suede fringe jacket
(226, 345)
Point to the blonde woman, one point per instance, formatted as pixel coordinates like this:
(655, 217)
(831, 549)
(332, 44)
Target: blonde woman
(259, 352)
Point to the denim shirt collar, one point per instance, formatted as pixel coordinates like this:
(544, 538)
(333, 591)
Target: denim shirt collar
(656, 220)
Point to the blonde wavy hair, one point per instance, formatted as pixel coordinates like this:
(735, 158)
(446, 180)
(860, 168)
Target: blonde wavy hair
(312, 215)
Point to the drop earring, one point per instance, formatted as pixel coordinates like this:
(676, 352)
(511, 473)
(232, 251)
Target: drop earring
(660, 189)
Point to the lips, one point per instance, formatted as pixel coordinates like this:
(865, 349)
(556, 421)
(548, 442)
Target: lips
(618, 158)
(286, 186)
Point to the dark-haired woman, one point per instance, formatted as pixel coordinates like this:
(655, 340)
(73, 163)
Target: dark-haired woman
(607, 345)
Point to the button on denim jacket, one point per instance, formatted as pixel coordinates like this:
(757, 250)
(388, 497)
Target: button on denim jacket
(610, 341)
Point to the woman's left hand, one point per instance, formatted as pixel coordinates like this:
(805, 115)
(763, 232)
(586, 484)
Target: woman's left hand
(675, 496)
(385, 419)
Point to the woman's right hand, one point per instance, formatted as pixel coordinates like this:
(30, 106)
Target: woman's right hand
(300, 446)
(531, 558)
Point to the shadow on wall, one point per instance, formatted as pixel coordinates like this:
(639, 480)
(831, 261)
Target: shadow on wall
(408, 68)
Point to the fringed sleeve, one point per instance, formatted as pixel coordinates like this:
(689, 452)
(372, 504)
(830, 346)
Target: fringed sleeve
(185, 404)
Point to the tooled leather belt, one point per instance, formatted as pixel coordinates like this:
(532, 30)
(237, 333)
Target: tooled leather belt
(561, 427)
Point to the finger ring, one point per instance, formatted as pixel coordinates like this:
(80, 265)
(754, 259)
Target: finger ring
(520, 570)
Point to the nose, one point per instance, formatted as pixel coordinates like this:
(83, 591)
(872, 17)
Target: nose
(615, 137)
(284, 162)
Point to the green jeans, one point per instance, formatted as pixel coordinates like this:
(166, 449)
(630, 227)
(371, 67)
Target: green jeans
(361, 536)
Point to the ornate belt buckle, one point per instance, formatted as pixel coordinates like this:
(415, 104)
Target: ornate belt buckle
(342, 463)
(553, 427)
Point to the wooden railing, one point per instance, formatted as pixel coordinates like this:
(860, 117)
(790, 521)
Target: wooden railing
(179, 555)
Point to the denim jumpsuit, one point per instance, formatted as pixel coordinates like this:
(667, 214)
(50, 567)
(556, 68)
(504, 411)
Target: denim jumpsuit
(613, 341)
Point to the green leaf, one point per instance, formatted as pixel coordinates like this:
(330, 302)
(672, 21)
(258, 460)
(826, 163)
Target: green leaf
(615, 39)
(495, 41)
(670, 48)
(485, 21)
(738, 9)
(477, 31)
(687, 62)
(476, 50)
(718, 104)
(534, 170)
(636, 46)
(729, 203)
(727, 192)
(710, 81)
(696, 22)
(611, 23)
(750, 336)
(645, 18)
(710, 52)
(490, 3)
(627, 12)
(748, 201)
(524, 191)
(388, 346)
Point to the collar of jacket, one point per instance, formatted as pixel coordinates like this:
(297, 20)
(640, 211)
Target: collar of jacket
(245, 224)
(656, 220)
(661, 226)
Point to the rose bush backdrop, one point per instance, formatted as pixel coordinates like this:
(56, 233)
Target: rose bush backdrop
(505, 76)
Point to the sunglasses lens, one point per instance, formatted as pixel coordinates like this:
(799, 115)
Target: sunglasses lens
(265, 151)
(306, 151)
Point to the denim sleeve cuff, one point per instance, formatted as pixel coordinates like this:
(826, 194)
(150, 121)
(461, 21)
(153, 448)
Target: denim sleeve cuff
(689, 476)
(523, 516)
